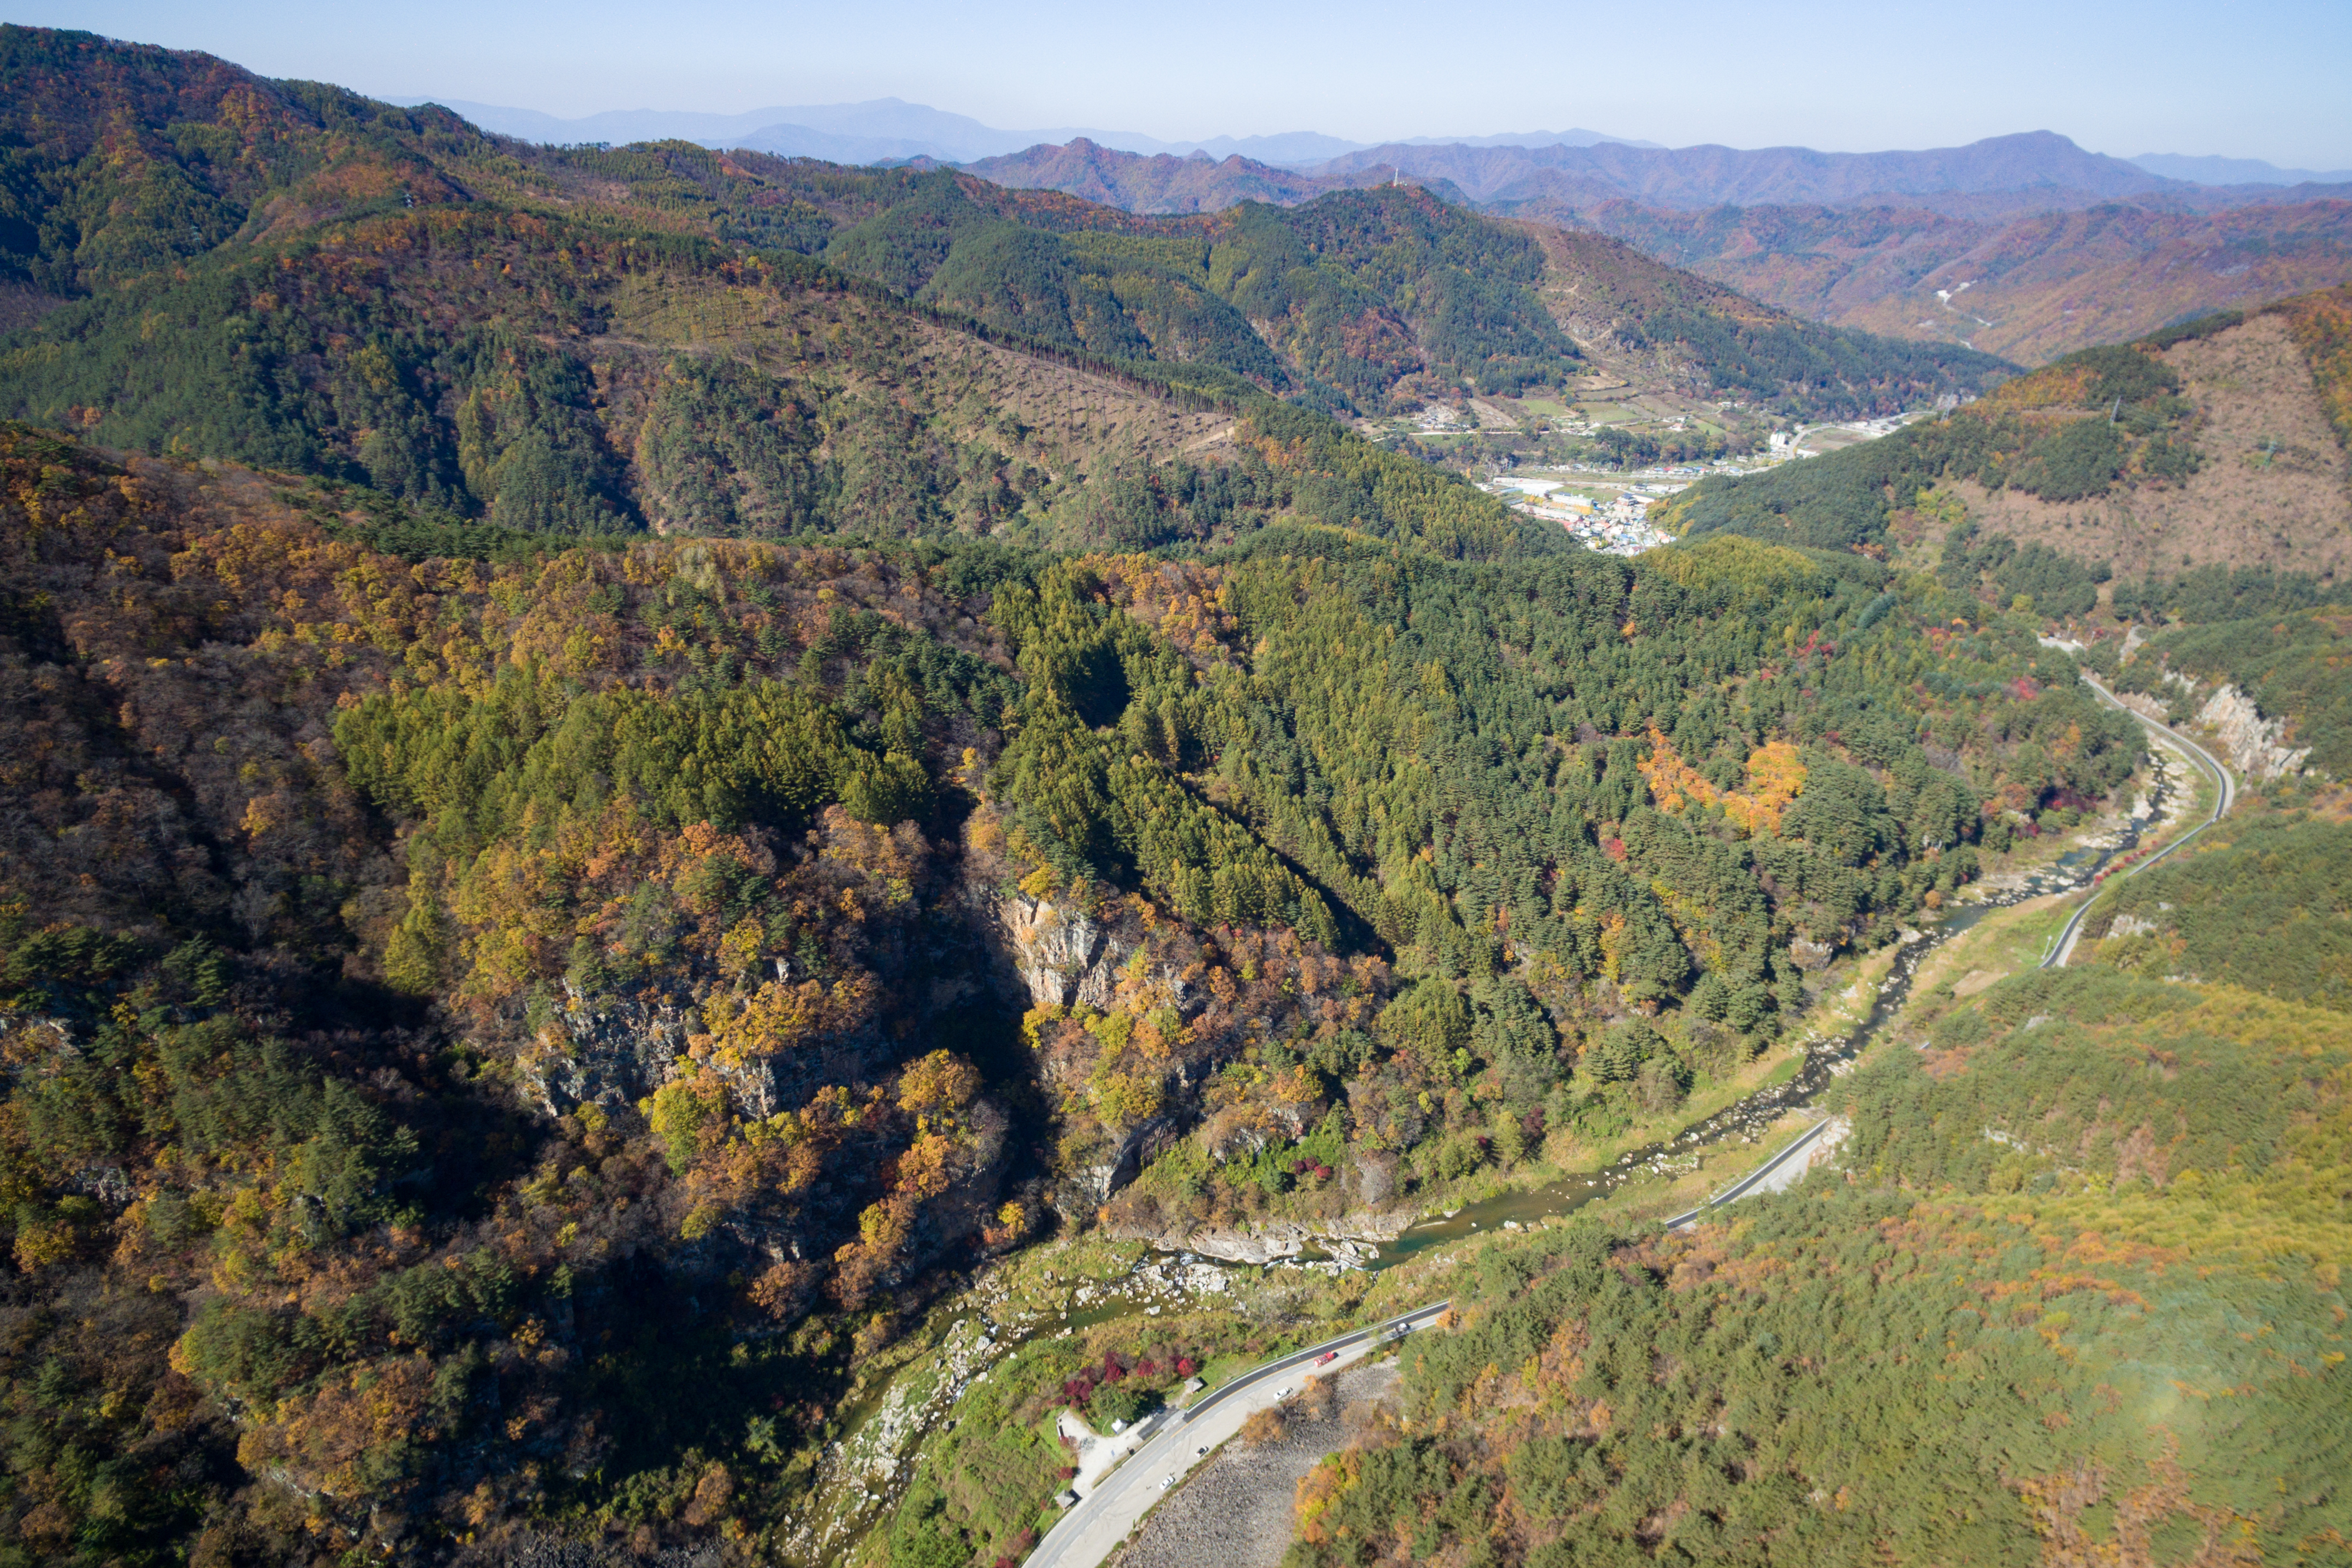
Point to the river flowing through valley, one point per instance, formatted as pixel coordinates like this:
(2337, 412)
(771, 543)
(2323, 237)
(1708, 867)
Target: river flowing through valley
(1747, 1119)
(870, 1464)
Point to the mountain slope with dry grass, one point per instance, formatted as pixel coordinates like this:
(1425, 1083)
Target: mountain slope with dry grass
(2218, 444)
(2271, 490)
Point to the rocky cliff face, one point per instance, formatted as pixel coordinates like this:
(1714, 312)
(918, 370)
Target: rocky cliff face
(606, 1052)
(612, 1051)
(2254, 743)
(1064, 956)
(1119, 1161)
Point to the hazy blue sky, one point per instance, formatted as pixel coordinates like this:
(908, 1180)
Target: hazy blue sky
(2260, 79)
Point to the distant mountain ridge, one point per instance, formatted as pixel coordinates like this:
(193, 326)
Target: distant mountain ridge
(1986, 181)
(1709, 176)
(1160, 184)
(2210, 170)
(1572, 138)
(2028, 288)
(2032, 170)
(891, 129)
(882, 130)
(2025, 246)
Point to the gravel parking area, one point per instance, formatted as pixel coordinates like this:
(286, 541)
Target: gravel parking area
(1236, 1509)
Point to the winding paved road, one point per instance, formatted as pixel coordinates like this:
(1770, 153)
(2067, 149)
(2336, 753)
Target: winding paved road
(1757, 1178)
(1095, 1525)
(2064, 947)
(1099, 1521)
(2056, 959)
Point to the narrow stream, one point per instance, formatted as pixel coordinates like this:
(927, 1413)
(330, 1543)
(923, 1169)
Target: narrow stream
(1824, 1062)
(853, 1505)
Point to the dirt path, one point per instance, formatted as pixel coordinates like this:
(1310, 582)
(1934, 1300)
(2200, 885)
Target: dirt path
(1236, 1509)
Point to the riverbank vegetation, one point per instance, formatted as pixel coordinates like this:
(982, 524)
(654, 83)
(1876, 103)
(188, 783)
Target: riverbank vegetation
(600, 815)
(2059, 1204)
(545, 943)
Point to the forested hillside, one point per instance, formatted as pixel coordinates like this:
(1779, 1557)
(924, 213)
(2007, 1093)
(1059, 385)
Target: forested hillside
(622, 766)
(462, 362)
(2071, 1291)
(2218, 444)
(424, 973)
(1365, 298)
(2074, 1293)
(1155, 184)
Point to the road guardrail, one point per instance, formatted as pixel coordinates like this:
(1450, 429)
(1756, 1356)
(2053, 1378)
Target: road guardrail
(1300, 1358)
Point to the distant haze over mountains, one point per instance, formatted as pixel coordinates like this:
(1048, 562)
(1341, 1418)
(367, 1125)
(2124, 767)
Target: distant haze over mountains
(2235, 171)
(1999, 177)
(2036, 161)
(888, 130)
(2027, 246)
(2023, 246)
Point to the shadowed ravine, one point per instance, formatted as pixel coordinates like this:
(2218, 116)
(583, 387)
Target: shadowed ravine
(1746, 1120)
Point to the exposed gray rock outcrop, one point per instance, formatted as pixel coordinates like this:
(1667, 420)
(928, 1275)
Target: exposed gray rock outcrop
(2252, 742)
(1347, 1238)
(1063, 955)
(1091, 1185)
(605, 1051)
